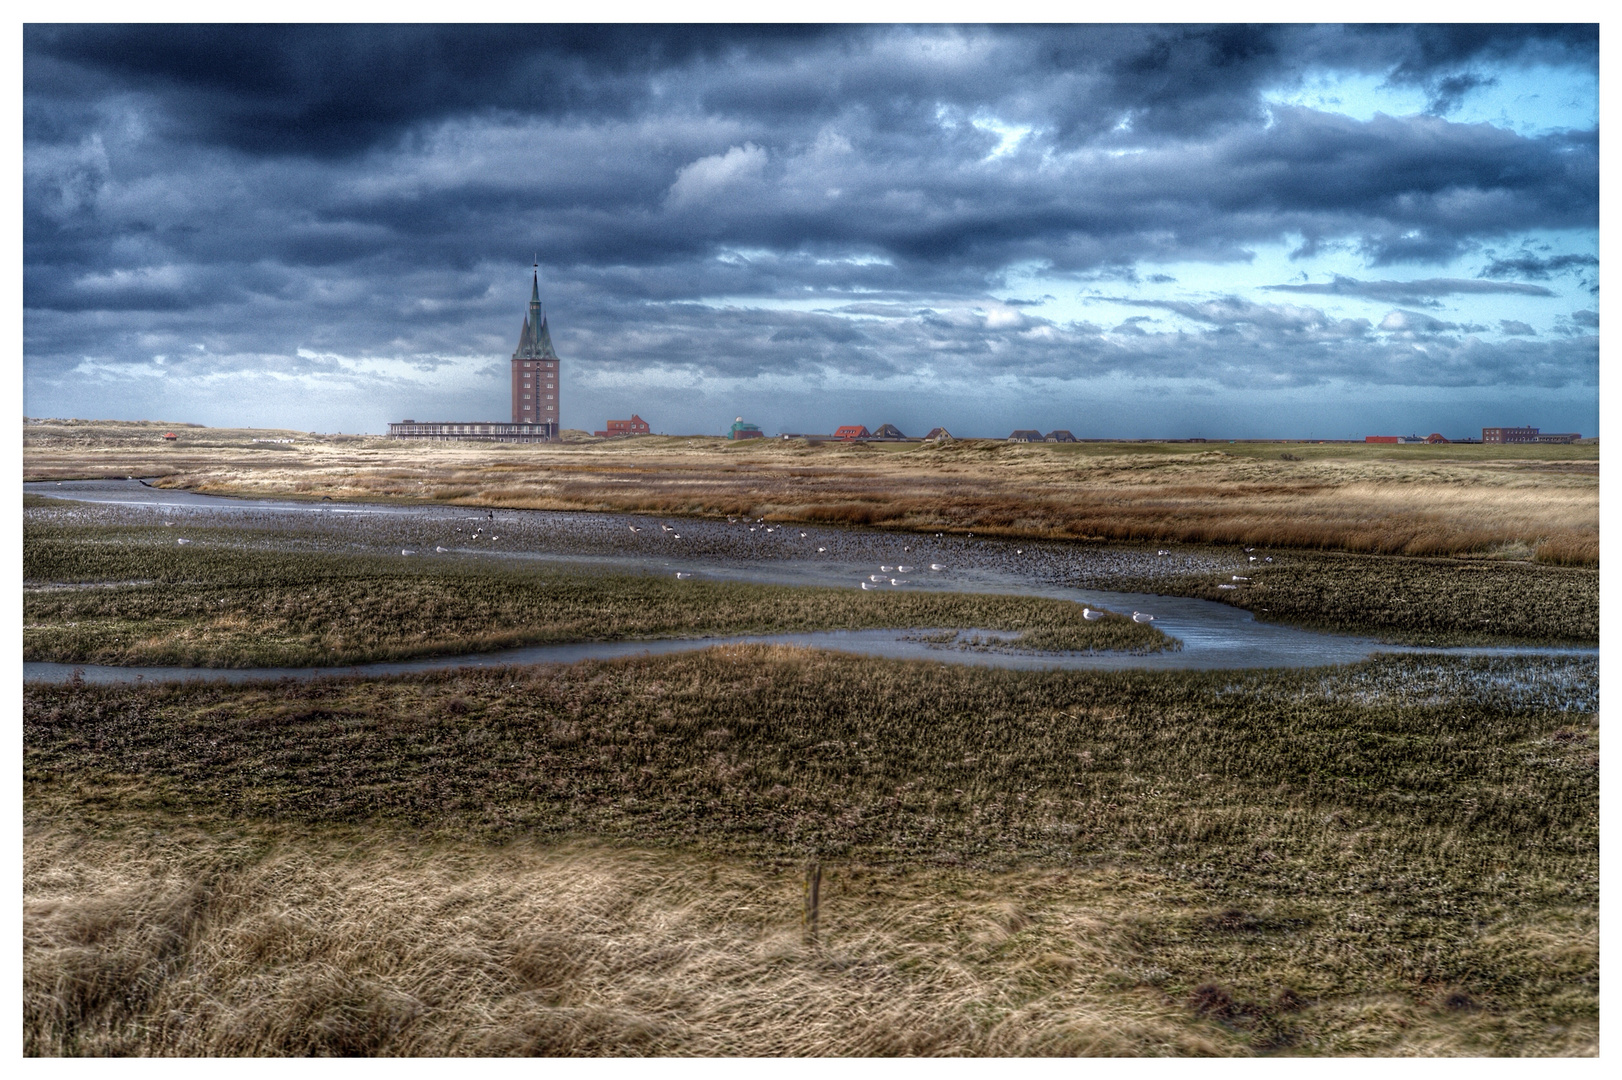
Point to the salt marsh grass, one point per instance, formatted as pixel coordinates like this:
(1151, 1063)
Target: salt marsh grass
(222, 604)
(1412, 500)
(607, 859)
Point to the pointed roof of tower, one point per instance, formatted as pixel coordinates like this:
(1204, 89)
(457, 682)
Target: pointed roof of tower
(543, 342)
(535, 341)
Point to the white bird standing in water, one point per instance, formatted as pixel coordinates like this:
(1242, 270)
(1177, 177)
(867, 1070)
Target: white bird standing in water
(681, 576)
(903, 569)
(868, 585)
(635, 529)
(820, 550)
(1089, 614)
(1142, 616)
(936, 566)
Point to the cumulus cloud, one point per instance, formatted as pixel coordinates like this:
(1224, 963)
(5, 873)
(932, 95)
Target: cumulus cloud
(1515, 327)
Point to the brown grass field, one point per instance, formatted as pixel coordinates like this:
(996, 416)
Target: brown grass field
(608, 858)
(1517, 502)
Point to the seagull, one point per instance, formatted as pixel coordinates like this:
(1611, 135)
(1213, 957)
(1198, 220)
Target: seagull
(802, 536)
(1236, 577)
(667, 528)
(1268, 559)
(1163, 551)
(166, 524)
(1089, 614)
(903, 569)
(681, 576)
(407, 551)
(886, 569)
(875, 577)
(936, 566)
(822, 549)
(1142, 616)
(897, 581)
(182, 540)
(1019, 551)
(1227, 586)
(1254, 559)
(868, 585)
(439, 549)
(677, 536)
(635, 529)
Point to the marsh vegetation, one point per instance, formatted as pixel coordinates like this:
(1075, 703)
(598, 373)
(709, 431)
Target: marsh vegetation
(220, 603)
(1539, 502)
(1399, 857)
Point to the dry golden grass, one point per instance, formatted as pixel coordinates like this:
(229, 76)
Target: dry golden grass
(1518, 502)
(170, 940)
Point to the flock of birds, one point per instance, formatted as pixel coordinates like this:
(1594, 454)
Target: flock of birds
(872, 581)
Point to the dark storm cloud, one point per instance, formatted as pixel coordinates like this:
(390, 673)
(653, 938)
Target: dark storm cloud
(224, 195)
(1525, 264)
(1427, 289)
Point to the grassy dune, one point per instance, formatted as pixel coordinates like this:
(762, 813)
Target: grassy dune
(1396, 858)
(220, 604)
(1518, 502)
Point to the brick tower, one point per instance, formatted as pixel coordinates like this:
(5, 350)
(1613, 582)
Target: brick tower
(535, 367)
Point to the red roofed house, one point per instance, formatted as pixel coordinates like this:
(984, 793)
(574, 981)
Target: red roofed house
(853, 431)
(634, 426)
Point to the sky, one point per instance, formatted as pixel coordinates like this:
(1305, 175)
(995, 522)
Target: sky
(1125, 231)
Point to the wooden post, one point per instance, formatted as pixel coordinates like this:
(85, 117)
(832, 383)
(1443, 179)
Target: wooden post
(813, 897)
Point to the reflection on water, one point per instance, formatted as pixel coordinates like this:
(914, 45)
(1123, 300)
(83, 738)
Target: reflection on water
(1213, 636)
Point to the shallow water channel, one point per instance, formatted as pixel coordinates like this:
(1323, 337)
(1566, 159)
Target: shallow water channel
(1212, 635)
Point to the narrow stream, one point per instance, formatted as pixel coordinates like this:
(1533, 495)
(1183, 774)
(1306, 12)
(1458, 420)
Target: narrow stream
(1213, 636)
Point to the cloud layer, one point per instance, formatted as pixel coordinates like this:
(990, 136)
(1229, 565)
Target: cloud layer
(295, 204)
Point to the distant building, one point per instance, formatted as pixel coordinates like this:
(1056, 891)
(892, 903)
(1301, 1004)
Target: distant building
(852, 431)
(1060, 435)
(171, 436)
(1525, 435)
(634, 426)
(1382, 438)
(741, 430)
(535, 366)
(937, 433)
(888, 431)
(473, 431)
(1026, 435)
(535, 391)
(1436, 437)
